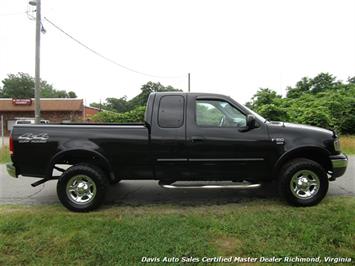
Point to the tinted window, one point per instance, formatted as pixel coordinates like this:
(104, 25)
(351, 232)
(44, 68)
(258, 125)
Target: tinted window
(218, 113)
(171, 111)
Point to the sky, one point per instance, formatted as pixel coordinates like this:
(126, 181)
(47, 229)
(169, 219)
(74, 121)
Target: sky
(229, 47)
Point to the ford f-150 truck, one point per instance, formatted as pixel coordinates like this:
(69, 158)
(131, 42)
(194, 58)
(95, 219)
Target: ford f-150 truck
(185, 137)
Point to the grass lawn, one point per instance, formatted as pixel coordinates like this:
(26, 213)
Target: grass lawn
(348, 144)
(122, 235)
(4, 154)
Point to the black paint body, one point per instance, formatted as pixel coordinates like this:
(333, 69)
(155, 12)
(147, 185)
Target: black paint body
(183, 152)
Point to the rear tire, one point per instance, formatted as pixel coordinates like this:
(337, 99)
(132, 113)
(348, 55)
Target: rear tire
(303, 182)
(82, 188)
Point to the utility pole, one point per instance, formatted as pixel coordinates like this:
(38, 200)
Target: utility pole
(37, 67)
(188, 82)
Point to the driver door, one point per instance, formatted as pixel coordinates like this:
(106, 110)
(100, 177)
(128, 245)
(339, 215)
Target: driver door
(217, 149)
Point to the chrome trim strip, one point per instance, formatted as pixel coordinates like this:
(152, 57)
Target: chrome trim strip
(41, 126)
(172, 160)
(210, 160)
(226, 160)
(239, 186)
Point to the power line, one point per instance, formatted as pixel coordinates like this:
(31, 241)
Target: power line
(105, 57)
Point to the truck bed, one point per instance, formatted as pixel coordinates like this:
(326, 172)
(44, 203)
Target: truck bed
(37, 145)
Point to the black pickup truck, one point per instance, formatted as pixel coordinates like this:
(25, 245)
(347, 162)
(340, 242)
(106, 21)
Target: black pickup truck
(185, 137)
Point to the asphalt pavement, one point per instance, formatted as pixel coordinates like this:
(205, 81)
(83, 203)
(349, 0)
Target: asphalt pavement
(19, 191)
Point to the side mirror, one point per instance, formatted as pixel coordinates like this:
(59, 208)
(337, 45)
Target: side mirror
(250, 123)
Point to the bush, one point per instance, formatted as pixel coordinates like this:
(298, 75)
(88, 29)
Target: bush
(331, 105)
(136, 115)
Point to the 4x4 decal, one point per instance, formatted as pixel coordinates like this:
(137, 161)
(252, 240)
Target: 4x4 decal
(32, 138)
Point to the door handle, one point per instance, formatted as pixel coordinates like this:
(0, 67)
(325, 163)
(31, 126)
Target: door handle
(197, 139)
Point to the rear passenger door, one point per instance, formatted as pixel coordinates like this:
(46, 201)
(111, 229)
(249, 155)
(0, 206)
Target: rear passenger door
(168, 136)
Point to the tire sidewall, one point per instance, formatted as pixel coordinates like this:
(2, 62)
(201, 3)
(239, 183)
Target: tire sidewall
(95, 174)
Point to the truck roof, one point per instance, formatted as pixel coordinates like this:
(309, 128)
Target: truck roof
(190, 93)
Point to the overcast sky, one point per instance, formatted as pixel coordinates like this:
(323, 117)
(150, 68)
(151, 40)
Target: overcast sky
(230, 47)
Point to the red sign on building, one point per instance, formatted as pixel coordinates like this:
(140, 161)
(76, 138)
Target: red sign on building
(21, 101)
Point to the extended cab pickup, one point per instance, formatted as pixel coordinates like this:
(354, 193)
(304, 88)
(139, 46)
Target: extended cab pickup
(185, 137)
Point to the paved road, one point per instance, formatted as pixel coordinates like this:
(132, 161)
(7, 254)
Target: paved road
(148, 192)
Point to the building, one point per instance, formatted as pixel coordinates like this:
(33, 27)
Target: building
(56, 110)
(89, 112)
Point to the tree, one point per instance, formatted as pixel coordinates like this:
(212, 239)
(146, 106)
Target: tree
(320, 101)
(267, 103)
(302, 86)
(263, 96)
(148, 88)
(323, 82)
(17, 86)
(273, 112)
(120, 105)
(320, 83)
(22, 85)
(351, 80)
(72, 94)
(123, 105)
(135, 115)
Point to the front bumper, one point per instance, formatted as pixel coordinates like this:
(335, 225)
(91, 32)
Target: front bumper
(339, 164)
(11, 170)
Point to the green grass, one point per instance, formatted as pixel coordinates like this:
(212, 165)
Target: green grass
(122, 235)
(348, 144)
(4, 154)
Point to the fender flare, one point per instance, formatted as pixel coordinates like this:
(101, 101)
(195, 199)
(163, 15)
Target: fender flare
(293, 154)
(61, 154)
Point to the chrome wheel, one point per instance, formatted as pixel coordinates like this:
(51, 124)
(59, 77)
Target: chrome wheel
(304, 184)
(81, 189)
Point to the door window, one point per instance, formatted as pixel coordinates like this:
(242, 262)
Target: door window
(218, 113)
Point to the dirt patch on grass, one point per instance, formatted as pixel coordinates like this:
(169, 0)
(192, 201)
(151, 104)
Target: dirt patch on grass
(227, 245)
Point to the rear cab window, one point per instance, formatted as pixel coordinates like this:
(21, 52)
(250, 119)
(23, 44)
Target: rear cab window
(171, 111)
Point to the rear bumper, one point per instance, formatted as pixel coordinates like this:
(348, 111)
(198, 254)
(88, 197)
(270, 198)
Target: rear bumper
(11, 170)
(339, 164)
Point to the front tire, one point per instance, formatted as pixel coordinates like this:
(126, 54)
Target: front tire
(303, 182)
(82, 188)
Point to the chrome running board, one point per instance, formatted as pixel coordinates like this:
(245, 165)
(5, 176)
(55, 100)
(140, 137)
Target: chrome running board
(233, 186)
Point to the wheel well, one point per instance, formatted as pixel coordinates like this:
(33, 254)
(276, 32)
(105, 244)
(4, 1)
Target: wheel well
(318, 156)
(82, 156)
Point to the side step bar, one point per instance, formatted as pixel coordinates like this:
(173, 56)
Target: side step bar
(233, 186)
(43, 180)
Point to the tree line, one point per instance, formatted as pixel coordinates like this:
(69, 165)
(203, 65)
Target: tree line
(121, 110)
(321, 101)
(21, 86)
